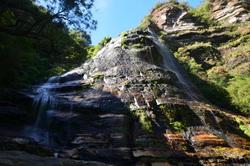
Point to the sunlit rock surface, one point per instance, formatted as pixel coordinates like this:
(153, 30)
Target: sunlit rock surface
(228, 12)
(174, 19)
(132, 104)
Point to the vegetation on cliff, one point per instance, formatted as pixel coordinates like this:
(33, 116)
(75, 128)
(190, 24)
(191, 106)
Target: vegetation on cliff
(132, 103)
(221, 70)
(38, 42)
(215, 56)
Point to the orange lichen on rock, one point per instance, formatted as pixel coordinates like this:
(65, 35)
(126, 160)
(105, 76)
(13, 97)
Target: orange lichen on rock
(205, 139)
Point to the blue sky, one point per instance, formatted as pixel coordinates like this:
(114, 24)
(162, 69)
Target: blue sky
(117, 16)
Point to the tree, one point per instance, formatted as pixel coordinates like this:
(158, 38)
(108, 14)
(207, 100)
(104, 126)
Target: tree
(35, 42)
(24, 18)
(75, 13)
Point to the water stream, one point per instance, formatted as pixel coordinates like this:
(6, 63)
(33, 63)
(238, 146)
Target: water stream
(44, 106)
(172, 65)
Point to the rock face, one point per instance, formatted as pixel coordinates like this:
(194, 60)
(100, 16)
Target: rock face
(174, 19)
(132, 104)
(19, 158)
(233, 11)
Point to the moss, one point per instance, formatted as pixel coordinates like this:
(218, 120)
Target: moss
(132, 42)
(178, 126)
(202, 13)
(137, 45)
(172, 44)
(124, 41)
(147, 21)
(177, 117)
(98, 75)
(174, 3)
(146, 124)
(239, 91)
(235, 42)
(100, 45)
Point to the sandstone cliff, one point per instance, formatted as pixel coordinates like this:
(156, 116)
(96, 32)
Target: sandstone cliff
(149, 97)
(228, 12)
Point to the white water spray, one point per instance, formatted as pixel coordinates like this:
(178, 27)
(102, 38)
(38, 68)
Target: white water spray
(171, 64)
(44, 105)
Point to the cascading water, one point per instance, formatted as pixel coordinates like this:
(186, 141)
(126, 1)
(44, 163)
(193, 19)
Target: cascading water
(172, 65)
(44, 106)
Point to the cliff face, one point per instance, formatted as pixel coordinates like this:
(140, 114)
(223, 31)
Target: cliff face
(133, 104)
(173, 19)
(228, 12)
(139, 101)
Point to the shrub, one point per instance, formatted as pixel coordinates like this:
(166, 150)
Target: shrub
(243, 126)
(161, 5)
(100, 45)
(202, 14)
(147, 21)
(144, 120)
(218, 75)
(239, 91)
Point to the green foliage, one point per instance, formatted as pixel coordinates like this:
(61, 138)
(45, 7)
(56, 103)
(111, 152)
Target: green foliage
(32, 46)
(92, 52)
(197, 58)
(218, 75)
(202, 13)
(175, 3)
(211, 66)
(178, 126)
(190, 65)
(177, 117)
(210, 80)
(184, 5)
(243, 126)
(124, 40)
(76, 13)
(16, 55)
(147, 21)
(239, 91)
(144, 120)
(137, 45)
(172, 44)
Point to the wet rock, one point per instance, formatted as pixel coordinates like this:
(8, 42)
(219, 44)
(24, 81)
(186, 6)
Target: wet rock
(72, 153)
(204, 139)
(92, 119)
(157, 152)
(121, 153)
(120, 139)
(161, 164)
(24, 144)
(19, 158)
(11, 110)
(88, 139)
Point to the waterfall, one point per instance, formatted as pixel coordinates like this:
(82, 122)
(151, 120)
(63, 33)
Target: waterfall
(171, 64)
(44, 106)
